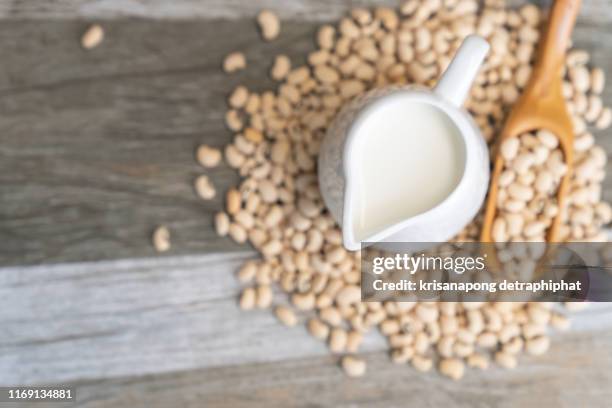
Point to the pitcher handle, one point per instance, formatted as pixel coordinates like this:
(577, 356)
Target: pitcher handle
(458, 77)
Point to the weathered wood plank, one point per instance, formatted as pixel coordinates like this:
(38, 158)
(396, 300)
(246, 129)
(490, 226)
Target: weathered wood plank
(309, 10)
(544, 382)
(96, 148)
(129, 318)
(576, 374)
(134, 317)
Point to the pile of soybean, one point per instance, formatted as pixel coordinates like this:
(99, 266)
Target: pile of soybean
(304, 273)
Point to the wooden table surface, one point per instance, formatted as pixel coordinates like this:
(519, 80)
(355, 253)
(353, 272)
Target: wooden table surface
(96, 148)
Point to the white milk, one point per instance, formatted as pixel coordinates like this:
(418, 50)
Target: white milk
(412, 157)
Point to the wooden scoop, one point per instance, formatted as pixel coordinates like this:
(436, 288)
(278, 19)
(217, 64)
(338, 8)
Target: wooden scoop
(542, 106)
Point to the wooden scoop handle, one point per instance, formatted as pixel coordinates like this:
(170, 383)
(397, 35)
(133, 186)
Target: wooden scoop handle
(552, 48)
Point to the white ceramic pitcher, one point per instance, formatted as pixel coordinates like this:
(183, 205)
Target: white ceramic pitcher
(338, 158)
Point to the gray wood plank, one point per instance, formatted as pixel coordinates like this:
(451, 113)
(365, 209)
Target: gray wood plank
(579, 378)
(134, 317)
(182, 9)
(576, 374)
(96, 148)
(137, 317)
(310, 10)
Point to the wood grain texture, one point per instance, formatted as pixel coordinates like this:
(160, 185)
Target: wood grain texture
(545, 382)
(144, 333)
(305, 10)
(548, 382)
(96, 148)
(131, 317)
